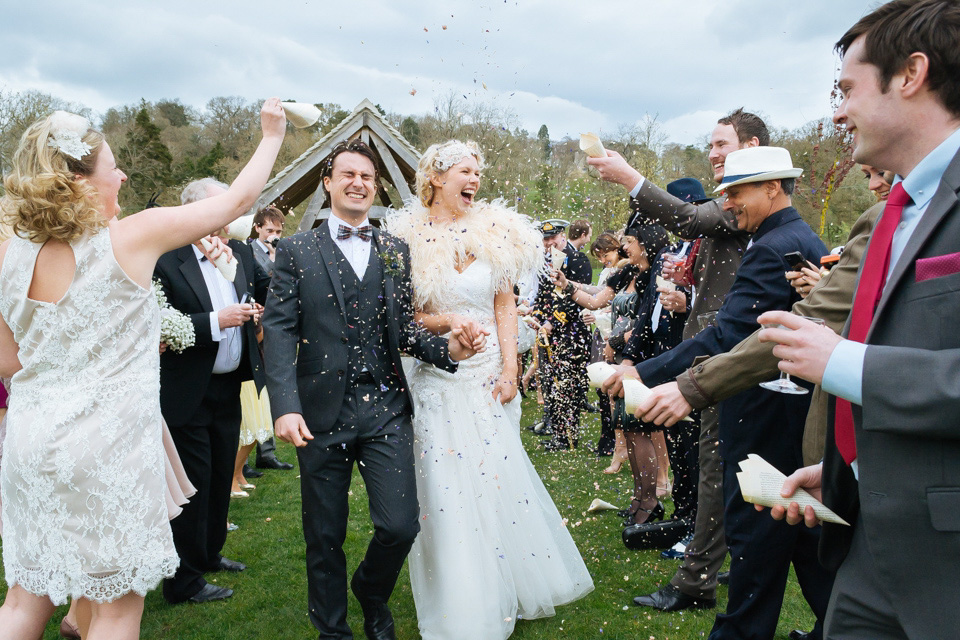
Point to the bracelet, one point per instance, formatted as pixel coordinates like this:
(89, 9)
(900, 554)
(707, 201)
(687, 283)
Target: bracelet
(569, 289)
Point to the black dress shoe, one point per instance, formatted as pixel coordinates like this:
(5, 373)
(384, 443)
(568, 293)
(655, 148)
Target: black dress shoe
(723, 577)
(797, 634)
(669, 598)
(226, 564)
(655, 535)
(250, 472)
(377, 619)
(271, 462)
(211, 592)
(555, 445)
(654, 514)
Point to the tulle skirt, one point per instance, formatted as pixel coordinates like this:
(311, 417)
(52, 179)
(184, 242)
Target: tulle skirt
(492, 547)
(256, 424)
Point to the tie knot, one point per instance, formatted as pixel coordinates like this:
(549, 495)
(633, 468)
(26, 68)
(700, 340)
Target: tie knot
(898, 196)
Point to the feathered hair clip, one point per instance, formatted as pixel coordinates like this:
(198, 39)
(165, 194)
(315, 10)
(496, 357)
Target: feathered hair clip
(454, 152)
(66, 134)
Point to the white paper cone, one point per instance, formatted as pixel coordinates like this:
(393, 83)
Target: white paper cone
(760, 483)
(557, 257)
(598, 372)
(634, 393)
(240, 228)
(600, 505)
(590, 144)
(301, 114)
(663, 283)
(227, 269)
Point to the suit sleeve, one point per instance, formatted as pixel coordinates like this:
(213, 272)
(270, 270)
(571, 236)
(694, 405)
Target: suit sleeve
(751, 362)
(415, 340)
(759, 287)
(687, 220)
(281, 333)
(201, 321)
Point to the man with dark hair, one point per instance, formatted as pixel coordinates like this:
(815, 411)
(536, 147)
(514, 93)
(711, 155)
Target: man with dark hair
(891, 467)
(338, 311)
(720, 245)
(748, 126)
(579, 233)
(758, 182)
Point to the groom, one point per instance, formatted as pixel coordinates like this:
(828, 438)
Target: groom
(338, 312)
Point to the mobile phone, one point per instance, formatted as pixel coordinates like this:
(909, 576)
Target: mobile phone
(245, 298)
(795, 260)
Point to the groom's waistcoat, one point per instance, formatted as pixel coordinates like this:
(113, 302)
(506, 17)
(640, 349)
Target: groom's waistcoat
(366, 320)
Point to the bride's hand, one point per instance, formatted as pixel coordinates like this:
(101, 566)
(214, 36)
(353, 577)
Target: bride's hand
(458, 347)
(471, 335)
(505, 389)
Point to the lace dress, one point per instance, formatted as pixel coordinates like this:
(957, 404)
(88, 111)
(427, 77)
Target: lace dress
(492, 546)
(82, 482)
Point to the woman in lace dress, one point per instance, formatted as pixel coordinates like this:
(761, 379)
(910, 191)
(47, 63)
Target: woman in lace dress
(82, 480)
(492, 546)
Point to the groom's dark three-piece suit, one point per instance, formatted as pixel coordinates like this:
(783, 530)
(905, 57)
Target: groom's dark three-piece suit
(332, 347)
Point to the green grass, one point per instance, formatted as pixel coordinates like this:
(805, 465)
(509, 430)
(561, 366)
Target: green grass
(270, 599)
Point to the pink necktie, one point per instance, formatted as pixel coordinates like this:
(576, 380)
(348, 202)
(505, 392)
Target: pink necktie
(873, 275)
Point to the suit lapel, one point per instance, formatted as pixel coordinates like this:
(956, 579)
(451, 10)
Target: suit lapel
(240, 282)
(190, 269)
(380, 245)
(944, 201)
(325, 246)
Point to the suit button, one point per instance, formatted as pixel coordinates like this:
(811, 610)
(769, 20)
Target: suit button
(340, 372)
(344, 340)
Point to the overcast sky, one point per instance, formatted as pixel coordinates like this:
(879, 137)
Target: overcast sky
(574, 65)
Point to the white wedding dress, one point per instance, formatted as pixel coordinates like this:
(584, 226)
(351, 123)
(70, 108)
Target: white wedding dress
(492, 546)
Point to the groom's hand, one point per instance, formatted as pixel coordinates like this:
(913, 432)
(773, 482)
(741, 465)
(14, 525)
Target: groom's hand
(459, 348)
(291, 428)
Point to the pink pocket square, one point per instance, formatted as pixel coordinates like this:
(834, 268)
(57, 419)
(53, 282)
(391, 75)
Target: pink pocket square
(938, 266)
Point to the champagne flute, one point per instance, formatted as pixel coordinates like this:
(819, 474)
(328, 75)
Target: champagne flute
(784, 384)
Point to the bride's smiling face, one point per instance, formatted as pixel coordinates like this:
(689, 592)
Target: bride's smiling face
(456, 188)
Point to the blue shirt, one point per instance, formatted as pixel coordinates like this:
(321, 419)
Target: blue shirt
(843, 375)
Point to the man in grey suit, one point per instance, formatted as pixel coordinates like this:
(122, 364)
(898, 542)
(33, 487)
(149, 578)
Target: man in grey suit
(695, 582)
(892, 461)
(338, 312)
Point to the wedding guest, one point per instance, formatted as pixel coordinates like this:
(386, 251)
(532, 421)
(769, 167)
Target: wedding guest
(200, 394)
(627, 291)
(890, 463)
(694, 585)
(79, 336)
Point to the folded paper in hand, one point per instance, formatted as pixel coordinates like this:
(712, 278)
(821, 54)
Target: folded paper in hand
(227, 269)
(666, 285)
(634, 391)
(761, 482)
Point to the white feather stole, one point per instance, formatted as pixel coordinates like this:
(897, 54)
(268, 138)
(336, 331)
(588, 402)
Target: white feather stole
(506, 240)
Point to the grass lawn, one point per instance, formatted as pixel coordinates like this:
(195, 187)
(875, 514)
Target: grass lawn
(270, 599)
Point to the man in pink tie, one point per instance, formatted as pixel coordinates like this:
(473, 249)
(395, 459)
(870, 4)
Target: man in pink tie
(892, 462)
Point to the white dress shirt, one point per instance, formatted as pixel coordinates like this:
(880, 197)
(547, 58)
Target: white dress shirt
(356, 251)
(222, 294)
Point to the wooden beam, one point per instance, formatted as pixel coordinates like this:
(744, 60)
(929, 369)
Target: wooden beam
(399, 150)
(393, 169)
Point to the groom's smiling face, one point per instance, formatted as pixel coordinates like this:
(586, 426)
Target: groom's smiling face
(351, 185)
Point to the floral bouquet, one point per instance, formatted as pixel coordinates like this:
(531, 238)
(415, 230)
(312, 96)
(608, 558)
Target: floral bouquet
(176, 329)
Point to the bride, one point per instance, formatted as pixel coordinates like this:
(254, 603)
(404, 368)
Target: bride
(492, 546)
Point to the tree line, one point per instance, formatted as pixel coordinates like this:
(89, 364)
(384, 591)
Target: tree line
(163, 145)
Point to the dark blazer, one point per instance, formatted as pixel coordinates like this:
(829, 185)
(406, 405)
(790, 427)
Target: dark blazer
(720, 251)
(184, 376)
(759, 286)
(263, 258)
(305, 325)
(908, 436)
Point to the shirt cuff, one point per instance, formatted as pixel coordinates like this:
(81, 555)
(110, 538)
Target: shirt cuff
(843, 376)
(215, 333)
(636, 189)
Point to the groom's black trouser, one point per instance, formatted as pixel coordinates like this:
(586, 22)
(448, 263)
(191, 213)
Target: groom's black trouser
(373, 430)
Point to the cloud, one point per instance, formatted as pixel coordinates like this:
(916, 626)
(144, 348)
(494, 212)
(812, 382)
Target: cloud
(572, 65)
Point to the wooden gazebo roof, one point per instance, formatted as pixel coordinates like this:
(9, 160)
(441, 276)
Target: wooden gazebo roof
(397, 160)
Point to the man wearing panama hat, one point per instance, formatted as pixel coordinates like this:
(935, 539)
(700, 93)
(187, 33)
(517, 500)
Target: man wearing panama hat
(758, 183)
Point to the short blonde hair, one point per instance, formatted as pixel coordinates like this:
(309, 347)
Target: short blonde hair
(44, 198)
(437, 160)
